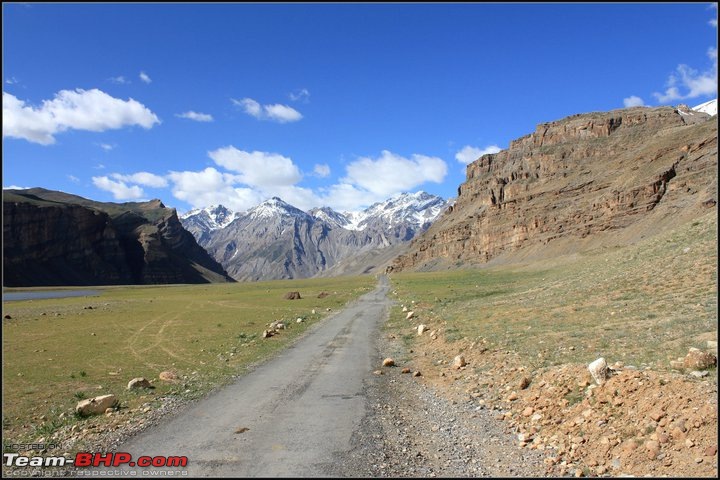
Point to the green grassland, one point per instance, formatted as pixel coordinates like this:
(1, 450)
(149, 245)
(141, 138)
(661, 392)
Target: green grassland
(643, 304)
(57, 351)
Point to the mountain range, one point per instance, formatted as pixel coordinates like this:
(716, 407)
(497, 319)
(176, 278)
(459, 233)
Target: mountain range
(277, 240)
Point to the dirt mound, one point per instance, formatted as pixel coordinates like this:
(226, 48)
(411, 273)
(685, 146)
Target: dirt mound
(292, 296)
(639, 422)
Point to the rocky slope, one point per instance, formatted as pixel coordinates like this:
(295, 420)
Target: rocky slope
(276, 240)
(582, 182)
(53, 238)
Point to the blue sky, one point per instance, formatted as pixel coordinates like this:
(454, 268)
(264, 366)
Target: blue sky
(321, 104)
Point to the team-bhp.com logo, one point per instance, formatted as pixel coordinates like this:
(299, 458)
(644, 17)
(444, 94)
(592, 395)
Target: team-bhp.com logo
(84, 459)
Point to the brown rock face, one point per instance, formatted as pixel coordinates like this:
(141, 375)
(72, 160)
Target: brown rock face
(577, 182)
(53, 238)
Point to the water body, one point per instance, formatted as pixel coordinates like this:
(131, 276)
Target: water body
(38, 295)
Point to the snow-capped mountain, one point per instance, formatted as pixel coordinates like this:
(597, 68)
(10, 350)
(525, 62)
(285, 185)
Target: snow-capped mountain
(708, 107)
(275, 207)
(277, 240)
(331, 217)
(415, 209)
(201, 221)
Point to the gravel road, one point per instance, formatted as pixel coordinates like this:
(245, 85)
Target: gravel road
(288, 417)
(318, 409)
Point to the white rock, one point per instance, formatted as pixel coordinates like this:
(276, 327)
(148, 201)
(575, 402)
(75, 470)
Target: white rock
(421, 329)
(459, 361)
(299, 320)
(599, 370)
(139, 382)
(409, 315)
(404, 308)
(96, 405)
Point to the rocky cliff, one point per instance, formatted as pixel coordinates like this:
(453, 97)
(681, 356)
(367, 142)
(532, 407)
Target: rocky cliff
(53, 238)
(581, 182)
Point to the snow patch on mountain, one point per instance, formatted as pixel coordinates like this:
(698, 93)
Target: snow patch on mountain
(708, 107)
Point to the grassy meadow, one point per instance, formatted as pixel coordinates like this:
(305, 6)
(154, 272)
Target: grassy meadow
(58, 351)
(643, 304)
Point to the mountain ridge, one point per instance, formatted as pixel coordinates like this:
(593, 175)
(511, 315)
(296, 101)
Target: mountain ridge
(277, 240)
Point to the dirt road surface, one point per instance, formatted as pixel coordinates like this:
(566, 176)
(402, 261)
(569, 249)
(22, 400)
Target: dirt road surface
(288, 417)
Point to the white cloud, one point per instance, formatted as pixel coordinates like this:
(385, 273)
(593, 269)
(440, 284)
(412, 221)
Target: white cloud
(390, 173)
(322, 170)
(211, 187)
(198, 117)
(11, 81)
(119, 80)
(92, 110)
(301, 95)
(694, 83)
(257, 169)
(144, 77)
(15, 187)
(713, 22)
(469, 154)
(344, 197)
(120, 190)
(633, 101)
(106, 146)
(142, 178)
(99, 166)
(73, 178)
(275, 112)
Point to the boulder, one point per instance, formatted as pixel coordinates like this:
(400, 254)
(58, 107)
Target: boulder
(599, 370)
(168, 376)
(459, 362)
(139, 382)
(293, 296)
(388, 362)
(699, 360)
(96, 405)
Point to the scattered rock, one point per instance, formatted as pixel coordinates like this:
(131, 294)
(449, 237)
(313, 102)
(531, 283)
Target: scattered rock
(409, 315)
(388, 362)
(404, 309)
(139, 382)
(711, 451)
(599, 370)
(524, 383)
(421, 329)
(320, 295)
(242, 430)
(299, 320)
(96, 405)
(699, 360)
(528, 411)
(293, 296)
(405, 370)
(459, 362)
(513, 396)
(699, 374)
(8, 317)
(378, 372)
(417, 374)
(280, 326)
(313, 311)
(267, 333)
